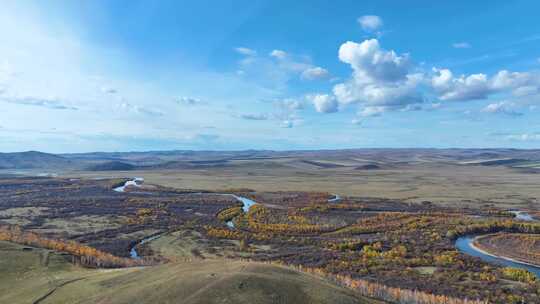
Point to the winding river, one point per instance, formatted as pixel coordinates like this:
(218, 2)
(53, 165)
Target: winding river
(335, 199)
(466, 245)
(246, 204)
(133, 251)
(137, 181)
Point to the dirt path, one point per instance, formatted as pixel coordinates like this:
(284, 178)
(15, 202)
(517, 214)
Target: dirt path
(50, 292)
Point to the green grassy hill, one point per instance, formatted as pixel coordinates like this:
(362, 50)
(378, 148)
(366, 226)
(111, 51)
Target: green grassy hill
(41, 276)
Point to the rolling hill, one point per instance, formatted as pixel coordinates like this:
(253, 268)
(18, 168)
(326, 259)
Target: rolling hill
(33, 160)
(48, 278)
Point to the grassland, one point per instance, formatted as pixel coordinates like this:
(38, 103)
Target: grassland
(447, 184)
(504, 177)
(32, 275)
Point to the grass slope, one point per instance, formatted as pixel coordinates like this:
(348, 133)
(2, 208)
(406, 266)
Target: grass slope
(41, 276)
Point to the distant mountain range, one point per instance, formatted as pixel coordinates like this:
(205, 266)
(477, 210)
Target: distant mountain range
(361, 159)
(33, 160)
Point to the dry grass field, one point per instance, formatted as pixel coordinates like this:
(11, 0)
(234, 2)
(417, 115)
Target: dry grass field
(450, 184)
(32, 275)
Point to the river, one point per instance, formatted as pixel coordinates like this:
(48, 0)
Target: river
(246, 204)
(465, 244)
(133, 251)
(136, 182)
(335, 199)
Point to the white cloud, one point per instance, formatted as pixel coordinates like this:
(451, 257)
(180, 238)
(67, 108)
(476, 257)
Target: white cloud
(314, 73)
(50, 103)
(378, 94)
(278, 54)
(480, 86)
(411, 107)
(461, 45)
(526, 91)
(433, 106)
(371, 111)
(373, 64)
(245, 51)
(278, 68)
(523, 137)
(384, 81)
(501, 108)
(356, 121)
(521, 83)
(324, 103)
(128, 107)
(370, 23)
(381, 80)
(474, 86)
(289, 104)
(442, 80)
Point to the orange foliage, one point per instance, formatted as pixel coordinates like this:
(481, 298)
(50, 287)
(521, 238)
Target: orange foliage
(84, 255)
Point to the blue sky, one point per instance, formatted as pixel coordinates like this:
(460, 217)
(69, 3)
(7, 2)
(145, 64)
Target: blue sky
(213, 75)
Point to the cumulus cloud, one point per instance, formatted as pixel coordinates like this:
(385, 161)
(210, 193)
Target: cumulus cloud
(370, 23)
(501, 108)
(278, 54)
(380, 77)
(461, 45)
(516, 81)
(377, 94)
(371, 111)
(245, 51)
(474, 86)
(314, 73)
(371, 63)
(480, 86)
(324, 103)
(381, 80)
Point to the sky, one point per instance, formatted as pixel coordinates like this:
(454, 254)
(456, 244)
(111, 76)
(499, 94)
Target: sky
(81, 76)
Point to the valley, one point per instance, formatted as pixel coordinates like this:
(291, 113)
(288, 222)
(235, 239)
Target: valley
(104, 232)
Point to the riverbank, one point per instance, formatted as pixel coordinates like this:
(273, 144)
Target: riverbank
(518, 248)
(468, 245)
